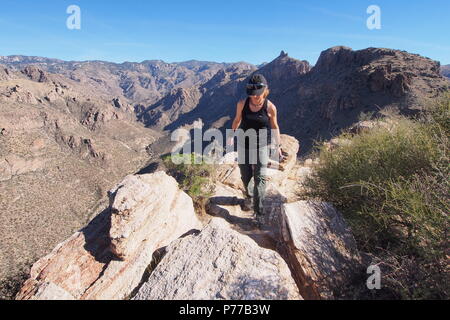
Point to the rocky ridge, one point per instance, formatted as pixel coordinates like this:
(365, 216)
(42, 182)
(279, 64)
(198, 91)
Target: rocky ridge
(221, 257)
(315, 103)
(138, 83)
(68, 132)
(61, 149)
(324, 99)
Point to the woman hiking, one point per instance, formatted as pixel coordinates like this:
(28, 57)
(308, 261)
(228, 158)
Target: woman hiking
(256, 116)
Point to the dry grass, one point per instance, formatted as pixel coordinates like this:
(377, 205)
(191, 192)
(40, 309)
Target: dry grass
(392, 186)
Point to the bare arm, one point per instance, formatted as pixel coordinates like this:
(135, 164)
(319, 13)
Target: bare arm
(237, 120)
(273, 115)
(238, 117)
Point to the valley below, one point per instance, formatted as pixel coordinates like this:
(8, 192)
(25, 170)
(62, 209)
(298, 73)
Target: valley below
(73, 132)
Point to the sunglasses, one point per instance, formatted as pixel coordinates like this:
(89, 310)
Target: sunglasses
(255, 86)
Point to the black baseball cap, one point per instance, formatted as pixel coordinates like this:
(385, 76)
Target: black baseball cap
(256, 85)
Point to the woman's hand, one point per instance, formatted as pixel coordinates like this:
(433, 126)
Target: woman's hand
(230, 141)
(281, 154)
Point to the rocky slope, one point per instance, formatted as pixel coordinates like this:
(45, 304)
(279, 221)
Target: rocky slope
(217, 104)
(107, 259)
(138, 83)
(315, 103)
(219, 263)
(305, 249)
(61, 149)
(345, 83)
(68, 133)
(210, 101)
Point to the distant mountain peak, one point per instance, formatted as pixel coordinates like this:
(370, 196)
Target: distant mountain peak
(445, 71)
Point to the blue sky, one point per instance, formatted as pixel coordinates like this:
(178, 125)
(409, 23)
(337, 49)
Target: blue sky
(223, 31)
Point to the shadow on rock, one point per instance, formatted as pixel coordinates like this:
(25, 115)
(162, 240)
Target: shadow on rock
(214, 207)
(98, 241)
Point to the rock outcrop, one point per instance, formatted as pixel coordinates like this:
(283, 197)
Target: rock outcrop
(148, 208)
(13, 165)
(311, 236)
(228, 172)
(150, 245)
(167, 110)
(4, 73)
(35, 74)
(344, 83)
(61, 150)
(321, 248)
(219, 263)
(106, 260)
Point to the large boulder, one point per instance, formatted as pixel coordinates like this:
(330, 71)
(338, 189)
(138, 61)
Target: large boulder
(320, 247)
(278, 171)
(229, 174)
(148, 206)
(50, 291)
(107, 259)
(219, 263)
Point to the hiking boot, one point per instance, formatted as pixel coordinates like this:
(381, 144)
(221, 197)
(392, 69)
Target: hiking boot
(247, 204)
(260, 223)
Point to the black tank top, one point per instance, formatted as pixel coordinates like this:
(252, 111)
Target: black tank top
(256, 120)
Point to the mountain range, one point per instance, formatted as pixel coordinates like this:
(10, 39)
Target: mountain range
(69, 131)
(314, 103)
(140, 83)
(445, 71)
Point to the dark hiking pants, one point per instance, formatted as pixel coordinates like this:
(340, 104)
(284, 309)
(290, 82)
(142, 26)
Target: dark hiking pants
(253, 164)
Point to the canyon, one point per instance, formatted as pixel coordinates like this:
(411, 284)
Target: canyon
(75, 137)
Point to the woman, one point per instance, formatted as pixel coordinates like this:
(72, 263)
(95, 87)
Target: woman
(258, 113)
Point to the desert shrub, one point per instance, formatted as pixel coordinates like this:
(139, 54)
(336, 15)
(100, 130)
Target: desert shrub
(10, 285)
(195, 176)
(366, 116)
(392, 185)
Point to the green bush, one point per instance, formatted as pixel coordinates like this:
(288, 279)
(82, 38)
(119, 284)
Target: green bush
(392, 185)
(194, 175)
